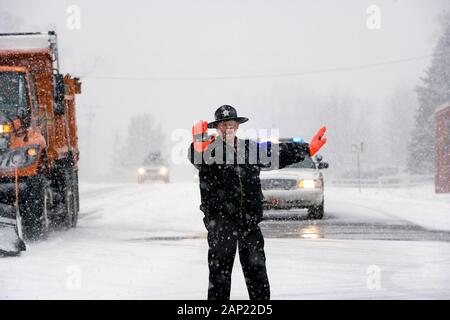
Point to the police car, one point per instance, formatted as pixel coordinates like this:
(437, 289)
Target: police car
(299, 185)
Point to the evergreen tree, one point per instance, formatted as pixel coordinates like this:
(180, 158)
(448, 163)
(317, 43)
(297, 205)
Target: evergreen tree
(434, 91)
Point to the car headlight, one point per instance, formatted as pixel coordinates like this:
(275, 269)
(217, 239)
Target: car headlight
(5, 128)
(32, 152)
(309, 184)
(163, 171)
(141, 171)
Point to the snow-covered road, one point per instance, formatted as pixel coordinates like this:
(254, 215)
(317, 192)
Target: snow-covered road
(148, 242)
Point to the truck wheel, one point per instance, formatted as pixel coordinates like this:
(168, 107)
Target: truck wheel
(37, 208)
(71, 218)
(69, 214)
(77, 190)
(316, 212)
(75, 209)
(77, 199)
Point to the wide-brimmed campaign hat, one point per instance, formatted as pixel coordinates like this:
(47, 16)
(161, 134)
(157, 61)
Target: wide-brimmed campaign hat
(226, 113)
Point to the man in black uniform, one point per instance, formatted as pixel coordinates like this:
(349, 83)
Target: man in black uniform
(231, 198)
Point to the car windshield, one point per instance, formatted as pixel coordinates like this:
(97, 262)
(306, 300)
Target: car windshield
(13, 94)
(154, 159)
(308, 163)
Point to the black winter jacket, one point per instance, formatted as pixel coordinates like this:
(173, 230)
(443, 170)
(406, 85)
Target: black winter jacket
(231, 189)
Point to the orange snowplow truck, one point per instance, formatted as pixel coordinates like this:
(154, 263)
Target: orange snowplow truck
(38, 133)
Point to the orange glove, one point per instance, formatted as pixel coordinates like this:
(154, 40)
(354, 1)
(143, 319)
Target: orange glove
(317, 142)
(200, 136)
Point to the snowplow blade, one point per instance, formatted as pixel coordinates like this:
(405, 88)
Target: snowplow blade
(11, 238)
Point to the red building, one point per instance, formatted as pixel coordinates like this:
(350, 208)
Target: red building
(442, 178)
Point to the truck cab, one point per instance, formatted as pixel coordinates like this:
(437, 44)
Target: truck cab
(18, 103)
(38, 133)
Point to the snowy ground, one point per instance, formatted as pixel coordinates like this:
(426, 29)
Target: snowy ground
(148, 242)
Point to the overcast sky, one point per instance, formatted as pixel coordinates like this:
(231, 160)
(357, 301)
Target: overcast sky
(160, 56)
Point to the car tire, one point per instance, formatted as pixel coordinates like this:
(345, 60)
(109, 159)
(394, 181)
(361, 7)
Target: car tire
(36, 207)
(70, 212)
(316, 212)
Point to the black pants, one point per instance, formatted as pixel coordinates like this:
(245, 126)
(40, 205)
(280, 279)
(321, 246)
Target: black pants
(223, 238)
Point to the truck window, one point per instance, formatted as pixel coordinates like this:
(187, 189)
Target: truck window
(13, 94)
(308, 163)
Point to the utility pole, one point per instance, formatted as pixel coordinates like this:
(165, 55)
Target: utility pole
(358, 150)
(272, 116)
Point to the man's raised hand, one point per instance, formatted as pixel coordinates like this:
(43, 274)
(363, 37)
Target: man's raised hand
(200, 136)
(317, 142)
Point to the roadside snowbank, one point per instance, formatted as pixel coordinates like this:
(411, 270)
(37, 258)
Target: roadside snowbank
(418, 205)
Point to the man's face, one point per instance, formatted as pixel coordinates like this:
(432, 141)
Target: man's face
(228, 129)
